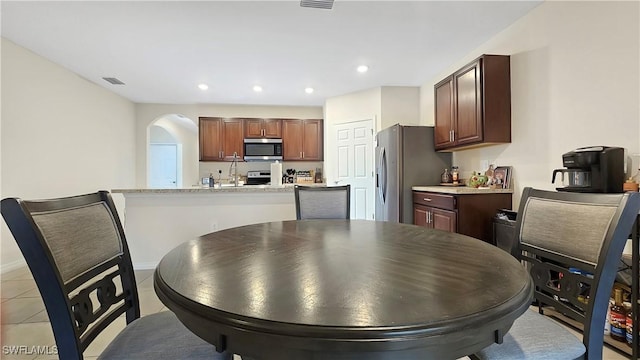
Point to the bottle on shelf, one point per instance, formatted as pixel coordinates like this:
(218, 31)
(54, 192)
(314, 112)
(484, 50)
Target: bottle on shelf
(455, 176)
(607, 321)
(211, 180)
(446, 177)
(618, 317)
(629, 325)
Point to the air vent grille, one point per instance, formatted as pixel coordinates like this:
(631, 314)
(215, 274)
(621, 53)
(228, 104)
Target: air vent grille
(318, 4)
(113, 81)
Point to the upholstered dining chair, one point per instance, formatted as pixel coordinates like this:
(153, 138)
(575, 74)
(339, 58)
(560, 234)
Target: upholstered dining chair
(76, 250)
(331, 202)
(573, 243)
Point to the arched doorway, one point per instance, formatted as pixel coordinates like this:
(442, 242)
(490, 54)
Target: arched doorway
(171, 139)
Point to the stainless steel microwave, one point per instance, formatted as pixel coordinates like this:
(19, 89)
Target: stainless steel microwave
(262, 149)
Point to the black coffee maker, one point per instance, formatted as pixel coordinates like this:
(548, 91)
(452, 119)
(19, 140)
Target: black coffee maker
(595, 169)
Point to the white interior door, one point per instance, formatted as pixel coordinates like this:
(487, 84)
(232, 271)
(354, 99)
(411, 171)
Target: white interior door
(163, 166)
(354, 165)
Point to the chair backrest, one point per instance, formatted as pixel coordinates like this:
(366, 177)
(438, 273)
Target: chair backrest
(322, 202)
(573, 243)
(76, 250)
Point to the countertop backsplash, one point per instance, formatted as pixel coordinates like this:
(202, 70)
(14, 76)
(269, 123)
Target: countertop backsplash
(213, 166)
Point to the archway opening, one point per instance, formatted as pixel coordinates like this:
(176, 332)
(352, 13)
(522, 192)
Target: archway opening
(171, 139)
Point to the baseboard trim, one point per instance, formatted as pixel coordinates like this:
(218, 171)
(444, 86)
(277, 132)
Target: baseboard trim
(145, 266)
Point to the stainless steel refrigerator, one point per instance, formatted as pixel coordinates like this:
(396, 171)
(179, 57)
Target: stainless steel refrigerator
(404, 158)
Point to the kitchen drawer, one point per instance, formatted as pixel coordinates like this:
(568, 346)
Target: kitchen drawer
(434, 200)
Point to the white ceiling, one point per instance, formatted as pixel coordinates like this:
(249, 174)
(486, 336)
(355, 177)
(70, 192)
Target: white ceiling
(163, 50)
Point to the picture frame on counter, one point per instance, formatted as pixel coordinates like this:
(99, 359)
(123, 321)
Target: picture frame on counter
(502, 176)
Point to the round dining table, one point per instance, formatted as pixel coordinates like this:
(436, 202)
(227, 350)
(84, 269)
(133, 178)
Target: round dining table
(343, 289)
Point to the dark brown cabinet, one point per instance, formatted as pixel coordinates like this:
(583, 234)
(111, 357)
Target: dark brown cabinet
(302, 139)
(263, 128)
(220, 138)
(473, 105)
(434, 218)
(468, 214)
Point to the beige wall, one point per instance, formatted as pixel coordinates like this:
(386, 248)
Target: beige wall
(575, 80)
(386, 106)
(61, 135)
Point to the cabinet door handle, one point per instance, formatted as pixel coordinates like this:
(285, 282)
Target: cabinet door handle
(453, 135)
(426, 199)
(429, 216)
(300, 154)
(262, 132)
(426, 217)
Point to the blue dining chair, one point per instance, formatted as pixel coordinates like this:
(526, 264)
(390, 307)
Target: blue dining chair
(572, 243)
(76, 250)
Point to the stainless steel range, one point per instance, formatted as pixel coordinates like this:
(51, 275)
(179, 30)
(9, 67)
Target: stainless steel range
(258, 177)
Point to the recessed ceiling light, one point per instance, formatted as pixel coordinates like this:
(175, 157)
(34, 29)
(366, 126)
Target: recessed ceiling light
(308, 90)
(257, 88)
(203, 86)
(363, 68)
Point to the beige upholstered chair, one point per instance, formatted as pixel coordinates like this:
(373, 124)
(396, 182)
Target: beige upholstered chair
(76, 250)
(322, 202)
(573, 243)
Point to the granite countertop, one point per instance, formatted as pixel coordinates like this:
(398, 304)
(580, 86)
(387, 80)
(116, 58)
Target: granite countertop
(461, 190)
(286, 188)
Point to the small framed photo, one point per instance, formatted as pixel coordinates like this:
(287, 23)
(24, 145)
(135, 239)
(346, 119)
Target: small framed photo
(502, 177)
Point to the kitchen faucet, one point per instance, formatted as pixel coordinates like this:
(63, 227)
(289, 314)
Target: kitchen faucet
(234, 166)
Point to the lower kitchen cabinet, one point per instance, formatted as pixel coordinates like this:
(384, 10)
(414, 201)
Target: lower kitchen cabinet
(435, 218)
(468, 214)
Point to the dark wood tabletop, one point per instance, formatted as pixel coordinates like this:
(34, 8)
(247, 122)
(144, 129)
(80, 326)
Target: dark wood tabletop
(343, 289)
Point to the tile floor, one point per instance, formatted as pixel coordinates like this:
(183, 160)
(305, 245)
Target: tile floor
(25, 321)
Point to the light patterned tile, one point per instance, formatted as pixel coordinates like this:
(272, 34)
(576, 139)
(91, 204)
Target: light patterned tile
(149, 302)
(142, 275)
(146, 284)
(15, 311)
(33, 293)
(27, 336)
(12, 288)
(22, 273)
(42, 316)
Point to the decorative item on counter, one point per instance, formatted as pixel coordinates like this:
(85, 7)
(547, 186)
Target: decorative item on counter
(476, 180)
(490, 178)
(630, 185)
(455, 175)
(446, 177)
(289, 176)
(212, 182)
(318, 177)
(502, 177)
(304, 177)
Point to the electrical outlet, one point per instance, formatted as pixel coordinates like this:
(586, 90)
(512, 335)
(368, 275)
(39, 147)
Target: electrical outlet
(484, 165)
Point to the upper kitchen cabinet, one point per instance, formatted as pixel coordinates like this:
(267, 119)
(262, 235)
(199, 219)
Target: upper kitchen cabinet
(473, 105)
(302, 139)
(263, 128)
(220, 138)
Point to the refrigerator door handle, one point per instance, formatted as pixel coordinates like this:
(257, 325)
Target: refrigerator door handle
(381, 179)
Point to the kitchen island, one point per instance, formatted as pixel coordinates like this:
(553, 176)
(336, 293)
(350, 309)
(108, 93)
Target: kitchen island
(157, 220)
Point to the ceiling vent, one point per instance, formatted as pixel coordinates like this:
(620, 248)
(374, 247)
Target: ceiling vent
(318, 4)
(112, 81)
